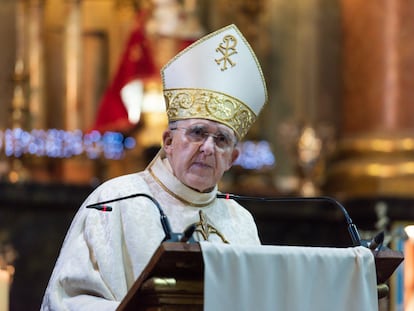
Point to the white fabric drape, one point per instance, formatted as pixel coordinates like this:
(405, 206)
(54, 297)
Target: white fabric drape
(288, 278)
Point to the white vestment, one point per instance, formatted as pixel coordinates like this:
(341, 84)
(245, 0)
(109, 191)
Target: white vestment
(104, 252)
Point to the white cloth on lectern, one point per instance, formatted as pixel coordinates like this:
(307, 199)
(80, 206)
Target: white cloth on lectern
(288, 278)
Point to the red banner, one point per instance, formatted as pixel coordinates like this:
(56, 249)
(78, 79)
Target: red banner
(136, 63)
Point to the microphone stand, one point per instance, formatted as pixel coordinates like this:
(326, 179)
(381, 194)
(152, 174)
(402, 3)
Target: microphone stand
(187, 234)
(170, 236)
(352, 229)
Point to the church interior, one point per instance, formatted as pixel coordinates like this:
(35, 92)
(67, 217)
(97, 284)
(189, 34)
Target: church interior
(339, 122)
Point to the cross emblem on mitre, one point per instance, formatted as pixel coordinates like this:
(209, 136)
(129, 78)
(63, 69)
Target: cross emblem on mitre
(227, 49)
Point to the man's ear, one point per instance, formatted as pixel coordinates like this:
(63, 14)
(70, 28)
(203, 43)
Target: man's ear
(234, 156)
(167, 140)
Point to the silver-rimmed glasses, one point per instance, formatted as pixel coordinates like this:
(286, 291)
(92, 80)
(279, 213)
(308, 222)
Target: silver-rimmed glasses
(199, 133)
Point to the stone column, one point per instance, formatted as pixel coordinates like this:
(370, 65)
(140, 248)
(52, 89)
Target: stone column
(36, 64)
(375, 154)
(19, 112)
(72, 63)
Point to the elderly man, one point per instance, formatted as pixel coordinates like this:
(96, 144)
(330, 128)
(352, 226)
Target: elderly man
(214, 91)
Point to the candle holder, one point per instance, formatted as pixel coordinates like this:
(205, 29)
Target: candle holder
(308, 145)
(7, 257)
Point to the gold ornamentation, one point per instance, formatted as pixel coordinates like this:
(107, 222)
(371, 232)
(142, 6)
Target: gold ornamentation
(205, 229)
(227, 49)
(205, 104)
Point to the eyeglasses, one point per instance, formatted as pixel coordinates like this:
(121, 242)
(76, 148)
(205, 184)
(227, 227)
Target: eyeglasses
(198, 134)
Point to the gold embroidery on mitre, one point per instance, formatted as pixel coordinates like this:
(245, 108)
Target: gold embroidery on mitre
(205, 104)
(227, 48)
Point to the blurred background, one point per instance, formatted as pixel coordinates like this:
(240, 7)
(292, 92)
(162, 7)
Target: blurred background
(81, 103)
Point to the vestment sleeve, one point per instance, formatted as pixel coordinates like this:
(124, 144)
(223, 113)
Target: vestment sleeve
(104, 252)
(89, 273)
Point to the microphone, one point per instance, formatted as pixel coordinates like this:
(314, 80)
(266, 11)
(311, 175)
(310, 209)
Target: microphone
(352, 229)
(102, 208)
(170, 236)
(188, 233)
(377, 241)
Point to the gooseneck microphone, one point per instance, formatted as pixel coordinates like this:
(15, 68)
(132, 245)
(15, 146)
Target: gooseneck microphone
(169, 234)
(353, 232)
(187, 234)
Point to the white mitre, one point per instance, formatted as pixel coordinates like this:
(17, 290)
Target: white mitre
(217, 78)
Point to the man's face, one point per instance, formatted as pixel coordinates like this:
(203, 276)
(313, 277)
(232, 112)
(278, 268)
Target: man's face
(200, 151)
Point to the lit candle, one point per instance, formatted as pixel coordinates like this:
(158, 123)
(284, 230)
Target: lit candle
(4, 290)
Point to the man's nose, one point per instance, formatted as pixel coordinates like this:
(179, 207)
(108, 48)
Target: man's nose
(208, 145)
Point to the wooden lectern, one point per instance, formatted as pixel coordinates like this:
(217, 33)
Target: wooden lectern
(173, 279)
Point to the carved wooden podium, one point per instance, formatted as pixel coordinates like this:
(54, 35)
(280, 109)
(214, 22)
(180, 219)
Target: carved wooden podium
(173, 279)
